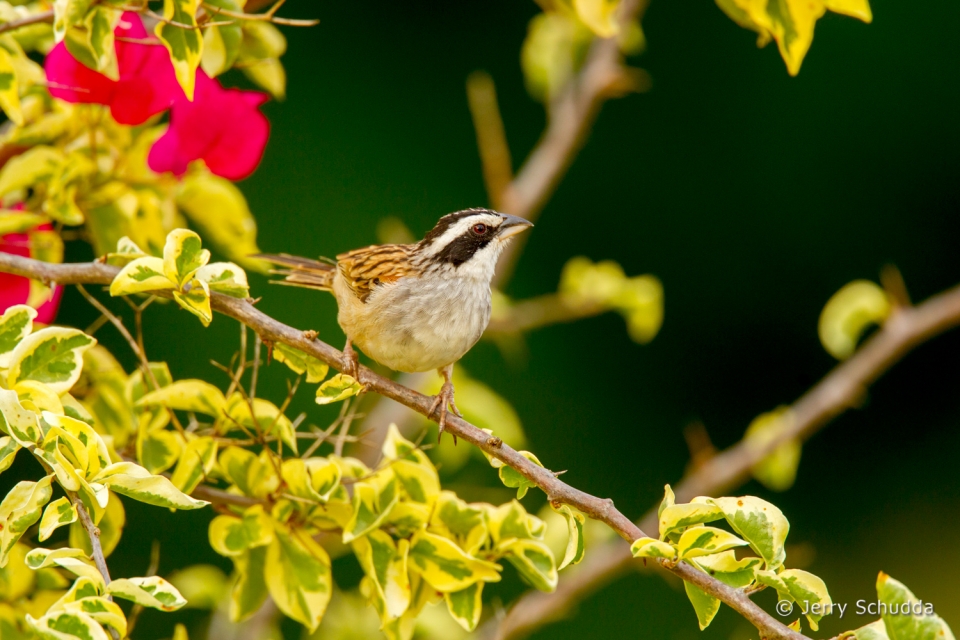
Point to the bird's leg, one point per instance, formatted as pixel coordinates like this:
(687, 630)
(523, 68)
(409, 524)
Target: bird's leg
(351, 361)
(444, 399)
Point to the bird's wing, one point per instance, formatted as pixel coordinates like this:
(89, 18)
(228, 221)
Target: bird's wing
(364, 269)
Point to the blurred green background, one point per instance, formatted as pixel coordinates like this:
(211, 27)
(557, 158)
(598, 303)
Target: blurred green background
(752, 195)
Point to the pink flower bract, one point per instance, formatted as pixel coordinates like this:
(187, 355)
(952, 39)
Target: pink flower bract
(223, 127)
(147, 84)
(16, 289)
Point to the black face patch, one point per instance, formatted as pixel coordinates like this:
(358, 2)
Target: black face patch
(451, 218)
(463, 248)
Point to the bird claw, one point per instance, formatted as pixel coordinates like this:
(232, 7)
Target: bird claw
(443, 400)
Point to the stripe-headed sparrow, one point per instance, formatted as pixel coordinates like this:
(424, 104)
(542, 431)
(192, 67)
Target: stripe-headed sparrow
(414, 307)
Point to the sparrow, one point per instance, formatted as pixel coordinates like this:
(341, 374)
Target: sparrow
(413, 307)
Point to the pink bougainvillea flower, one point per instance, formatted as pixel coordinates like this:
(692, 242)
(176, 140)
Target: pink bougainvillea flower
(16, 289)
(222, 127)
(147, 84)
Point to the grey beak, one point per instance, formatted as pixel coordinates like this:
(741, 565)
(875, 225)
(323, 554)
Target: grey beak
(512, 225)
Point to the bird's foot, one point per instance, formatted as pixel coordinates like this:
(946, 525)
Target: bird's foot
(351, 362)
(442, 401)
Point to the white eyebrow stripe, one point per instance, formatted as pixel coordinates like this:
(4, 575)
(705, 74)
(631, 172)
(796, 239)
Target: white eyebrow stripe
(460, 227)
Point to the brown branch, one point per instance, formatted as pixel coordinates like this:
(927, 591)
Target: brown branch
(491, 138)
(542, 311)
(840, 390)
(556, 490)
(37, 18)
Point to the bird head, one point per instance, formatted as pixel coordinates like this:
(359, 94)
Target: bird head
(470, 241)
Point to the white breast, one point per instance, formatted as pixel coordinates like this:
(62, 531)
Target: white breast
(416, 324)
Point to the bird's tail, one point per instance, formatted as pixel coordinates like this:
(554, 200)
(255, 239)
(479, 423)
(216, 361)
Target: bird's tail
(301, 272)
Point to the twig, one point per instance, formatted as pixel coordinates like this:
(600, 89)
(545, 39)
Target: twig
(37, 18)
(259, 17)
(834, 394)
(549, 309)
(491, 138)
(942, 312)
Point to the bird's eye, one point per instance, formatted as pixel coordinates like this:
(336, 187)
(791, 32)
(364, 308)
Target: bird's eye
(479, 229)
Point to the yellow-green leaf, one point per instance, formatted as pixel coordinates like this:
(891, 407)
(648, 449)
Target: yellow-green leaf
(535, 563)
(848, 313)
(805, 588)
(183, 255)
(20, 509)
(459, 521)
(269, 420)
(778, 470)
(446, 566)
(64, 625)
(195, 298)
(512, 478)
(220, 210)
(226, 278)
(652, 548)
(32, 166)
(706, 606)
(101, 610)
(73, 560)
(16, 323)
(599, 15)
(58, 513)
(53, 356)
(704, 541)
(675, 517)
(196, 463)
(9, 89)
(8, 451)
(385, 563)
(135, 482)
(142, 274)
(221, 44)
(466, 605)
(339, 387)
(158, 450)
(100, 23)
(300, 362)
(920, 624)
(185, 43)
(17, 421)
(187, 395)
(759, 523)
(250, 589)
(260, 50)
(153, 592)
(298, 576)
(412, 466)
(574, 551)
(372, 502)
(233, 536)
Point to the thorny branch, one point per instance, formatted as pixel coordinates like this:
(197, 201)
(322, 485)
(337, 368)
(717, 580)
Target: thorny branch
(903, 331)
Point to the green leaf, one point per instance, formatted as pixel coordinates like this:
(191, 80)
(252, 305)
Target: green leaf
(232, 536)
(250, 589)
(512, 478)
(553, 50)
(73, 560)
(220, 210)
(58, 513)
(135, 482)
(873, 631)
(260, 50)
(412, 466)
(20, 509)
(459, 521)
(187, 395)
(183, 256)
(446, 567)
(575, 550)
(906, 617)
(158, 450)
(226, 278)
(652, 548)
(848, 313)
(675, 517)
(204, 586)
(705, 605)
(8, 451)
(385, 564)
(298, 576)
(100, 23)
(66, 625)
(184, 44)
(34, 165)
(153, 592)
(68, 13)
(339, 387)
(143, 274)
(778, 470)
(727, 569)
(704, 541)
(510, 521)
(299, 362)
(102, 611)
(221, 44)
(466, 605)
(195, 298)
(53, 356)
(795, 585)
(372, 502)
(759, 523)
(534, 562)
(18, 421)
(9, 89)
(196, 462)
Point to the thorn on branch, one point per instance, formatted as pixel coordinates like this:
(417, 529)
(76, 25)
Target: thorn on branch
(310, 334)
(495, 442)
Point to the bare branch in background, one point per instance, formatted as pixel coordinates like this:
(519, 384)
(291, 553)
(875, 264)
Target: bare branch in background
(840, 390)
(557, 491)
